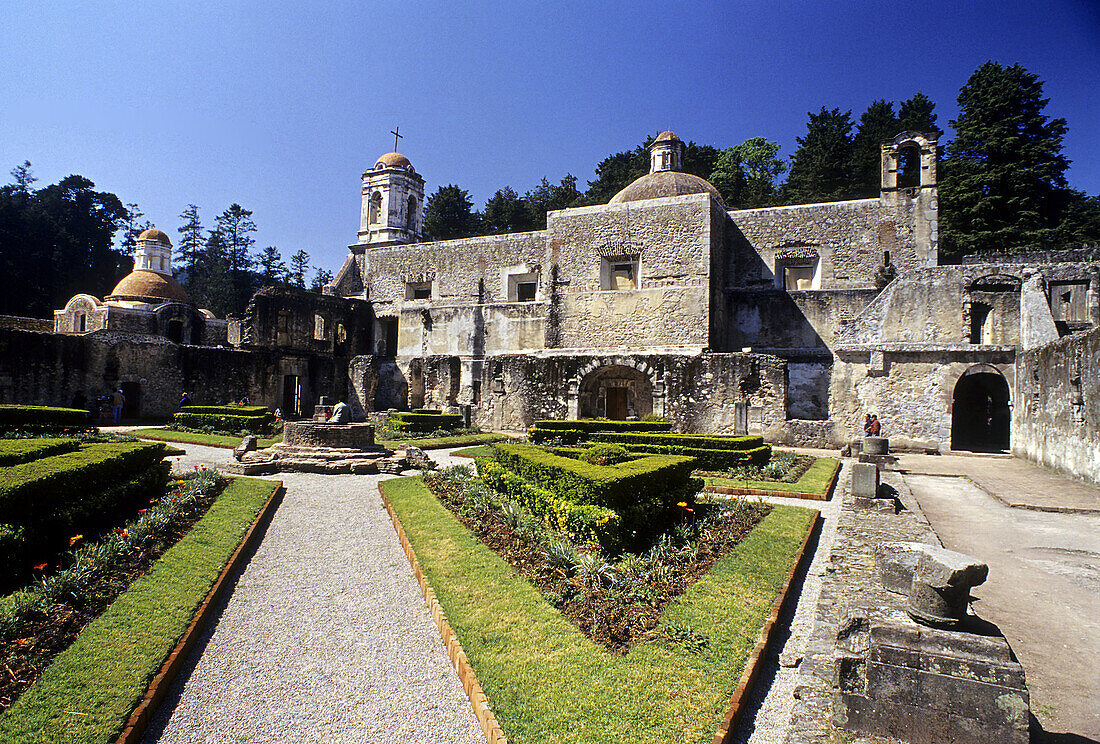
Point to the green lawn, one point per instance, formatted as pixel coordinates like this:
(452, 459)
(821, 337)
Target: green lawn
(441, 442)
(91, 688)
(547, 683)
(480, 451)
(210, 440)
(816, 480)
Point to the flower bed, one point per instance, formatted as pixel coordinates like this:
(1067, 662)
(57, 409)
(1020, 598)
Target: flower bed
(615, 602)
(39, 621)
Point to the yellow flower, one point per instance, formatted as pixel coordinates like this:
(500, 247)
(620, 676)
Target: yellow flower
(22, 641)
(75, 539)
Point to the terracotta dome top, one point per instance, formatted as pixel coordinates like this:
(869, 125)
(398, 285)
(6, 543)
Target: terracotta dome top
(148, 286)
(666, 183)
(154, 234)
(668, 135)
(393, 159)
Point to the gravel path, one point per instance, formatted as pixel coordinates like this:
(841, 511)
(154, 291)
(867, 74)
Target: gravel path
(325, 637)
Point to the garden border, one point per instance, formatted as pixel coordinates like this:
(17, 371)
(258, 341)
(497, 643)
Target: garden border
(494, 734)
(824, 496)
(136, 724)
(755, 661)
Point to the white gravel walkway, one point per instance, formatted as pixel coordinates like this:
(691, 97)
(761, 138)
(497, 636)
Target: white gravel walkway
(325, 638)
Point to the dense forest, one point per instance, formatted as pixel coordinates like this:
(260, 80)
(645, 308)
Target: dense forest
(1002, 186)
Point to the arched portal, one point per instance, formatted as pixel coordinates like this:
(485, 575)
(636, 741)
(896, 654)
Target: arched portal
(615, 392)
(980, 417)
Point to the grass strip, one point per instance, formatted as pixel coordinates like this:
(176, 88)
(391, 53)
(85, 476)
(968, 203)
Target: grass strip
(210, 440)
(459, 440)
(546, 682)
(479, 451)
(90, 689)
(816, 480)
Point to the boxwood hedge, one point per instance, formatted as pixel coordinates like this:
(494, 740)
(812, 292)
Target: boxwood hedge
(41, 418)
(416, 421)
(15, 451)
(232, 421)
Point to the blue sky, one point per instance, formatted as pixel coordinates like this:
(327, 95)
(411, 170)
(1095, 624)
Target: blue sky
(281, 106)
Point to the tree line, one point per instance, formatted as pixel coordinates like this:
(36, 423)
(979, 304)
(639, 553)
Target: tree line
(59, 241)
(1002, 183)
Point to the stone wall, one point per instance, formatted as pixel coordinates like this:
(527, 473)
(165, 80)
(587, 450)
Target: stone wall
(306, 322)
(849, 237)
(910, 387)
(1056, 419)
(49, 369)
(19, 323)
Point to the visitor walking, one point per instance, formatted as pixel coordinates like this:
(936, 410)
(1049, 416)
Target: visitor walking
(185, 400)
(118, 400)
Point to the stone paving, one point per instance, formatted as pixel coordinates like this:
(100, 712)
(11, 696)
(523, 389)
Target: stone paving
(325, 637)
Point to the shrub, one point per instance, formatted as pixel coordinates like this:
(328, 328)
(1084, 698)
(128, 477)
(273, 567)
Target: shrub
(229, 410)
(15, 451)
(55, 496)
(229, 423)
(12, 545)
(708, 459)
(682, 440)
(41, 418)
(416, 422)
(591, 425)
(605, 454)
(435, 411)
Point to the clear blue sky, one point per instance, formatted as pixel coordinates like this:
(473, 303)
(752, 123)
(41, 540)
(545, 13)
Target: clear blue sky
(281, 106)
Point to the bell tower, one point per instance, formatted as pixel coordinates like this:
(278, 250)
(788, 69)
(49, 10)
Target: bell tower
(153, 252)
(393, 202)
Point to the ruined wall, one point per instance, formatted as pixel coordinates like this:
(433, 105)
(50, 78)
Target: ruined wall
(472, 330)
(286, 318)
(20, 323)
(770, 318)
(850, 238)
(909, 387)
(1056, 419)
(49, 369)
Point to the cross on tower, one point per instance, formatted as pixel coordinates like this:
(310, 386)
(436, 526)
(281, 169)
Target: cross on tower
(396, 137)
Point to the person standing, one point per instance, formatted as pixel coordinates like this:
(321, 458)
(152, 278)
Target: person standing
(118, 400)
(867, 425)
(185, 400)
(876, 427)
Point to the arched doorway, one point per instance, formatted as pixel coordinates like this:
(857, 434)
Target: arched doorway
(980, 417)
(615, 392)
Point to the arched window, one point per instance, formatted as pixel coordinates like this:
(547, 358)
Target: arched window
(410, 219)
(319, 327)
(80, 323)
(376, 207)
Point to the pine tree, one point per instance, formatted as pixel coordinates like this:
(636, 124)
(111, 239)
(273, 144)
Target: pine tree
(189, 250)
(819, 167)
(211, 287)
(448, 213)
(1004, 182)
(131, 228)
(272, 268)
(235, 226)
(23, 178)
(320, 279)
(505, 212)
(876, 125)
(299, 266)
(548, 197)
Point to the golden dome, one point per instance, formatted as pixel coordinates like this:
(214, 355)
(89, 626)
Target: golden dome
(392, 160)
(154, 234)
(666, 183)
(671, 136)
(148, 286)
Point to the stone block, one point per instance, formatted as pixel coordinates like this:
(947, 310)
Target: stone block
(248, 444)
(896, 562)
(317, 434)
(940, 591)
(865, 480)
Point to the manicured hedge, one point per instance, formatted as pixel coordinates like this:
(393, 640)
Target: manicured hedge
(708, 459)
(424, 422)
(640, 490)
(427, 410)
(54, 497)
(581, 522)
(229, 410)
(604, 425)
(15, 451)
(683, 440)
(41, 418)
(254, 424)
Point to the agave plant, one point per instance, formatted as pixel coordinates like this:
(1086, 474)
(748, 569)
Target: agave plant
(596, 570)
(561, 555)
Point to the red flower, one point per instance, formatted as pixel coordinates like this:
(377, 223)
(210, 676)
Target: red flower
(141, 511)
(41, 567)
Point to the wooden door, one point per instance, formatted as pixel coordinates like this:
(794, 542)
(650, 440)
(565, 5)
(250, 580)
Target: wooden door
(616, 404)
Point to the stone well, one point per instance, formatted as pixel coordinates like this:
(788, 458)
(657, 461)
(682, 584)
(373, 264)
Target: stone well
(317, 434)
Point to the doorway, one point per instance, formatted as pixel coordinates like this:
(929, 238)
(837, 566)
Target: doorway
(131, 409)
(980, 414)
(616, 403)
(292, 397)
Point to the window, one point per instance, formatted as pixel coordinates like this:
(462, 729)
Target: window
(619, 273)
(418, 290)
(80, 323)
(410, 216)
(282, 328)
(523, 287)
(981, 322)
(798, 277)
(387, 337)
(175, 330)
(319, 327)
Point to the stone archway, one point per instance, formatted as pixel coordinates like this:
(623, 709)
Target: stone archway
(617, 392)
(980, 415)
